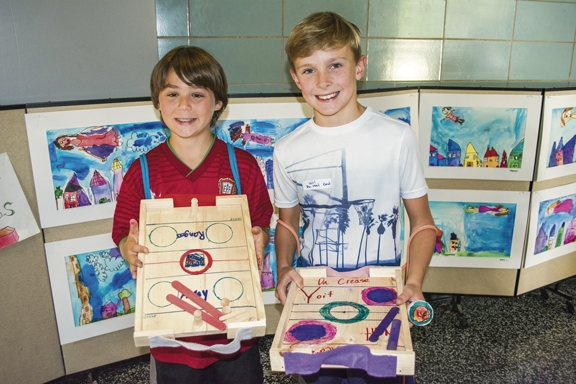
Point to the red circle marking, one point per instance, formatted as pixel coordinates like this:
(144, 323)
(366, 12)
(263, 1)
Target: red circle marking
(184, 259)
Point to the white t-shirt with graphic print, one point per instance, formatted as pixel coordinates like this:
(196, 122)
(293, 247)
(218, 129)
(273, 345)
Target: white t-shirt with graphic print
(349, 181)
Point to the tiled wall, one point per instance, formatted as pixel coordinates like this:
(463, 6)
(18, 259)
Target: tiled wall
(478, 43)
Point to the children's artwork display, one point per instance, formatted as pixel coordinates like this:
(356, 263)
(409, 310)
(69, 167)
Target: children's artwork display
(479, 229)
(269, 272)
(257, 126)
(200, 276)
(556, 157)
(79, 158)
(16, 220)
(402, 105)
(484, 136)
(92, 287)
(552, 230)
(339, 315)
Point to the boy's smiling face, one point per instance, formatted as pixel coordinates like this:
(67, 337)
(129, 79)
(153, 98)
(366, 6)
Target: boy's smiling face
(327, 80)
(186, 109)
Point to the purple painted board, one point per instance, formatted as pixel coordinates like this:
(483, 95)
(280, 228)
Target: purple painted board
(351, 356)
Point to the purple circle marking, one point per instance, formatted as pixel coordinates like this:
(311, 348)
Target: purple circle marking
(379, 296)
(310, 332)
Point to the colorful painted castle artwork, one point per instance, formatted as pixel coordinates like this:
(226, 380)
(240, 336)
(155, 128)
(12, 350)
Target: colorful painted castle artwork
(473, 229)
(556, 223)
(459, 133)
(101, 286)
(257, 137)
(562, 137)
(88, 163)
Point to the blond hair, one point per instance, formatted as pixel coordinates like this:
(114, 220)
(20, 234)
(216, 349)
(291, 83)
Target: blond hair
(322, 31)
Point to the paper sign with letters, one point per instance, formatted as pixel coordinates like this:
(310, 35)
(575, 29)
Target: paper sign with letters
(16, 220)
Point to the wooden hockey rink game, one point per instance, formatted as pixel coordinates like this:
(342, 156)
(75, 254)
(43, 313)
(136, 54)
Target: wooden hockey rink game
(200, 276)
(335, 310)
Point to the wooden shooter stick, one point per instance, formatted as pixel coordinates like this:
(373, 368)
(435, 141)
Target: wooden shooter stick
(196, 299)
(384, 324)
(394, 335)
(191, 309)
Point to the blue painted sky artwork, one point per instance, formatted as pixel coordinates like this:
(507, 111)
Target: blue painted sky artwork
(402, 114)
(562, 137)
(88, 163)
(474, 229)
(556, 223)
(502, 129)
(105, 279)
(257, 137)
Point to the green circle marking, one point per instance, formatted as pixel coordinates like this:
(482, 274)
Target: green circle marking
(167, 245)
(326, 310)
(150, 298)
(220, 241)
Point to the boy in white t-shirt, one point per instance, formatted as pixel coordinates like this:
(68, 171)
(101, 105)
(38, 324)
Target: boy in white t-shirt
(346, 169)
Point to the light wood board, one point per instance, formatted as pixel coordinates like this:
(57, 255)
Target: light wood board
(210, 250)
(338, 301)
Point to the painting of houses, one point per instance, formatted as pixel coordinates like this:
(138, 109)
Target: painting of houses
(558, 138)
(481, 229)
(515, 160)
(497, 133)
(491, 158)
(79, 158)
(483, 126)
(552, 224)
(86, 170)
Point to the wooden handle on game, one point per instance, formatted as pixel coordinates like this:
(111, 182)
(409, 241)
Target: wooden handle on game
(191, 309)
(196, 299)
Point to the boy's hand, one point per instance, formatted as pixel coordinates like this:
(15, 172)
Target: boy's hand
(130, 248)
(285, 277)
(261, 239)
(410, 293)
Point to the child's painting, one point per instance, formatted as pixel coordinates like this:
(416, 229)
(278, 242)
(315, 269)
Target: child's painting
(256, 127)
(556, 157)
(16, 220)
(479, 229)
(552, 224)
(402, 105)
(92, 287)
(269, 277)
(79, 158)
(479, 136)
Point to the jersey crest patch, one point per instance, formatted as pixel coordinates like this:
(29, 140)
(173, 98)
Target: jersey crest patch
(226, 186)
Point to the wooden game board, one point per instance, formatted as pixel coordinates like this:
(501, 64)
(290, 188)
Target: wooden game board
(350, 309)
(208, 249)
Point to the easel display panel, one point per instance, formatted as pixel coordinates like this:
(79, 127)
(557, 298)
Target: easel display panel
(210, 250)
(345, 307)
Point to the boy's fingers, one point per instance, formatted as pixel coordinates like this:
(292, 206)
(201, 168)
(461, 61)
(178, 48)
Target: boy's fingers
(134, 228)
(133, 271)
(295, 277)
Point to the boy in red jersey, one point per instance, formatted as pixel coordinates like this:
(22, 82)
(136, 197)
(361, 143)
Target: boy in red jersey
(189, 89)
